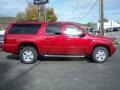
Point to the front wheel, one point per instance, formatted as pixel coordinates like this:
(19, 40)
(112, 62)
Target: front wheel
(28, 55)
(100, 55)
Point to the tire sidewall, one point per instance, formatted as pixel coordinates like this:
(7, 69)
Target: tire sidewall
(94, 54)
(33, 50)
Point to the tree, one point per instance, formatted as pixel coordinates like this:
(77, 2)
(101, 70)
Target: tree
(89, 24)
(21, 16)
(51, 15)
(106, 20)
(31, 13)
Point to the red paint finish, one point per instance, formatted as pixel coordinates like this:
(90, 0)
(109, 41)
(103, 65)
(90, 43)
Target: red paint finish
(0, 45)
(61, 44)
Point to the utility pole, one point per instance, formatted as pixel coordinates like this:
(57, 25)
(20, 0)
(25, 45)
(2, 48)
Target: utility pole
(39, 13)
(101, 13)
(45, 14)
(39, 3)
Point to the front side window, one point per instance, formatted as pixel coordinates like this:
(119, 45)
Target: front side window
(72, 31)
(24, 28)
(53, 29)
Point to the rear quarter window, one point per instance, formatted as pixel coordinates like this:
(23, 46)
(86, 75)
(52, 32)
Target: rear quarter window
(24, 28)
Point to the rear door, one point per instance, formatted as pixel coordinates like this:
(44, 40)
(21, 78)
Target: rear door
(52, 41)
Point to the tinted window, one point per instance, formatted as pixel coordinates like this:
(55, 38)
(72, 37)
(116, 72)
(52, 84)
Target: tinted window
(53, 29)
(24, 28)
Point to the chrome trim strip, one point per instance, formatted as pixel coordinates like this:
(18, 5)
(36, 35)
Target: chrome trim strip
(82, 56)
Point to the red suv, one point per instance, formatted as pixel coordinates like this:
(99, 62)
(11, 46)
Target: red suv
(55, 39)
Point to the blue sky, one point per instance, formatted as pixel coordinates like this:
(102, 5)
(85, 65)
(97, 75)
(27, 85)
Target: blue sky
(67, 10)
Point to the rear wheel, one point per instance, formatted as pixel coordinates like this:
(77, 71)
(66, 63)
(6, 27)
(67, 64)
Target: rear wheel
(28, 55)
(100, 55)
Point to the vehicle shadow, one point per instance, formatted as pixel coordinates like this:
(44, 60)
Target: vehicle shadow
(15, 57)
(12, 57)
(66, 59)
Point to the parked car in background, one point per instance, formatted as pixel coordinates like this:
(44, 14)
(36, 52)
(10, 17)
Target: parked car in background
(118, 28)
(1, 40)
(109, 30)
(115, 29)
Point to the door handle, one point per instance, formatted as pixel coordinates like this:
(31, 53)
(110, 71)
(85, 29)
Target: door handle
(47, 39)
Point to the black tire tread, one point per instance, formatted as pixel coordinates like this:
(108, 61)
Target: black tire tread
(33, 50)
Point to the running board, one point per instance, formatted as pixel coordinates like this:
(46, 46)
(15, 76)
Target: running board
(64, 56)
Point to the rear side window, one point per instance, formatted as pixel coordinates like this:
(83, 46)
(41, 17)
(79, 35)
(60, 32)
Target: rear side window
(53, 29)
(24, 28)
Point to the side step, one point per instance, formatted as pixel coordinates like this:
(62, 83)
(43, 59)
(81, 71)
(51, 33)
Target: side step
(64, 56)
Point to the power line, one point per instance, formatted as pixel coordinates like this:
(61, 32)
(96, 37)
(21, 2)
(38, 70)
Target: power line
(78, 4)
(77, 7)
(92, 7)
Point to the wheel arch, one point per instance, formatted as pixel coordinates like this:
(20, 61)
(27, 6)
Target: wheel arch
(101, 45)
(30, 44)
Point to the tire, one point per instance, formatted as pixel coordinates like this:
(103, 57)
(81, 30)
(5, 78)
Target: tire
(28, 55)
(100, 55)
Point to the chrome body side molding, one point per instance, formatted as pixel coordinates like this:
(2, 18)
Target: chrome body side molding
(82, 56)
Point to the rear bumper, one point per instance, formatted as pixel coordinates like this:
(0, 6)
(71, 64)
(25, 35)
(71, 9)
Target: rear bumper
(9, 48)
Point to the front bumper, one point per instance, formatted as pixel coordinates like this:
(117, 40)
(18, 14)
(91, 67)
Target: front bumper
(112, 50)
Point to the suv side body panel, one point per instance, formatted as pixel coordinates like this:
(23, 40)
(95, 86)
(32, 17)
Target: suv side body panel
(57, 44)
(50, 43)
(75, 45)
(12, 41)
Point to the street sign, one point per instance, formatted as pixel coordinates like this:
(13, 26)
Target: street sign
(39, 2)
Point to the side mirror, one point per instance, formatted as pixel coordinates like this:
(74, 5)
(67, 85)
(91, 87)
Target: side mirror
(82, 35)
(57, 33)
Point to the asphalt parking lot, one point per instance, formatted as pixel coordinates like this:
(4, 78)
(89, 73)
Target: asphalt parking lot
(59, 74)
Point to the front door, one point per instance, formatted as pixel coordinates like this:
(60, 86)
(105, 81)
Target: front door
(74, 44)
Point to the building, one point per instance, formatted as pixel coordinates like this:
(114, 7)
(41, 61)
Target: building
(109, 24)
